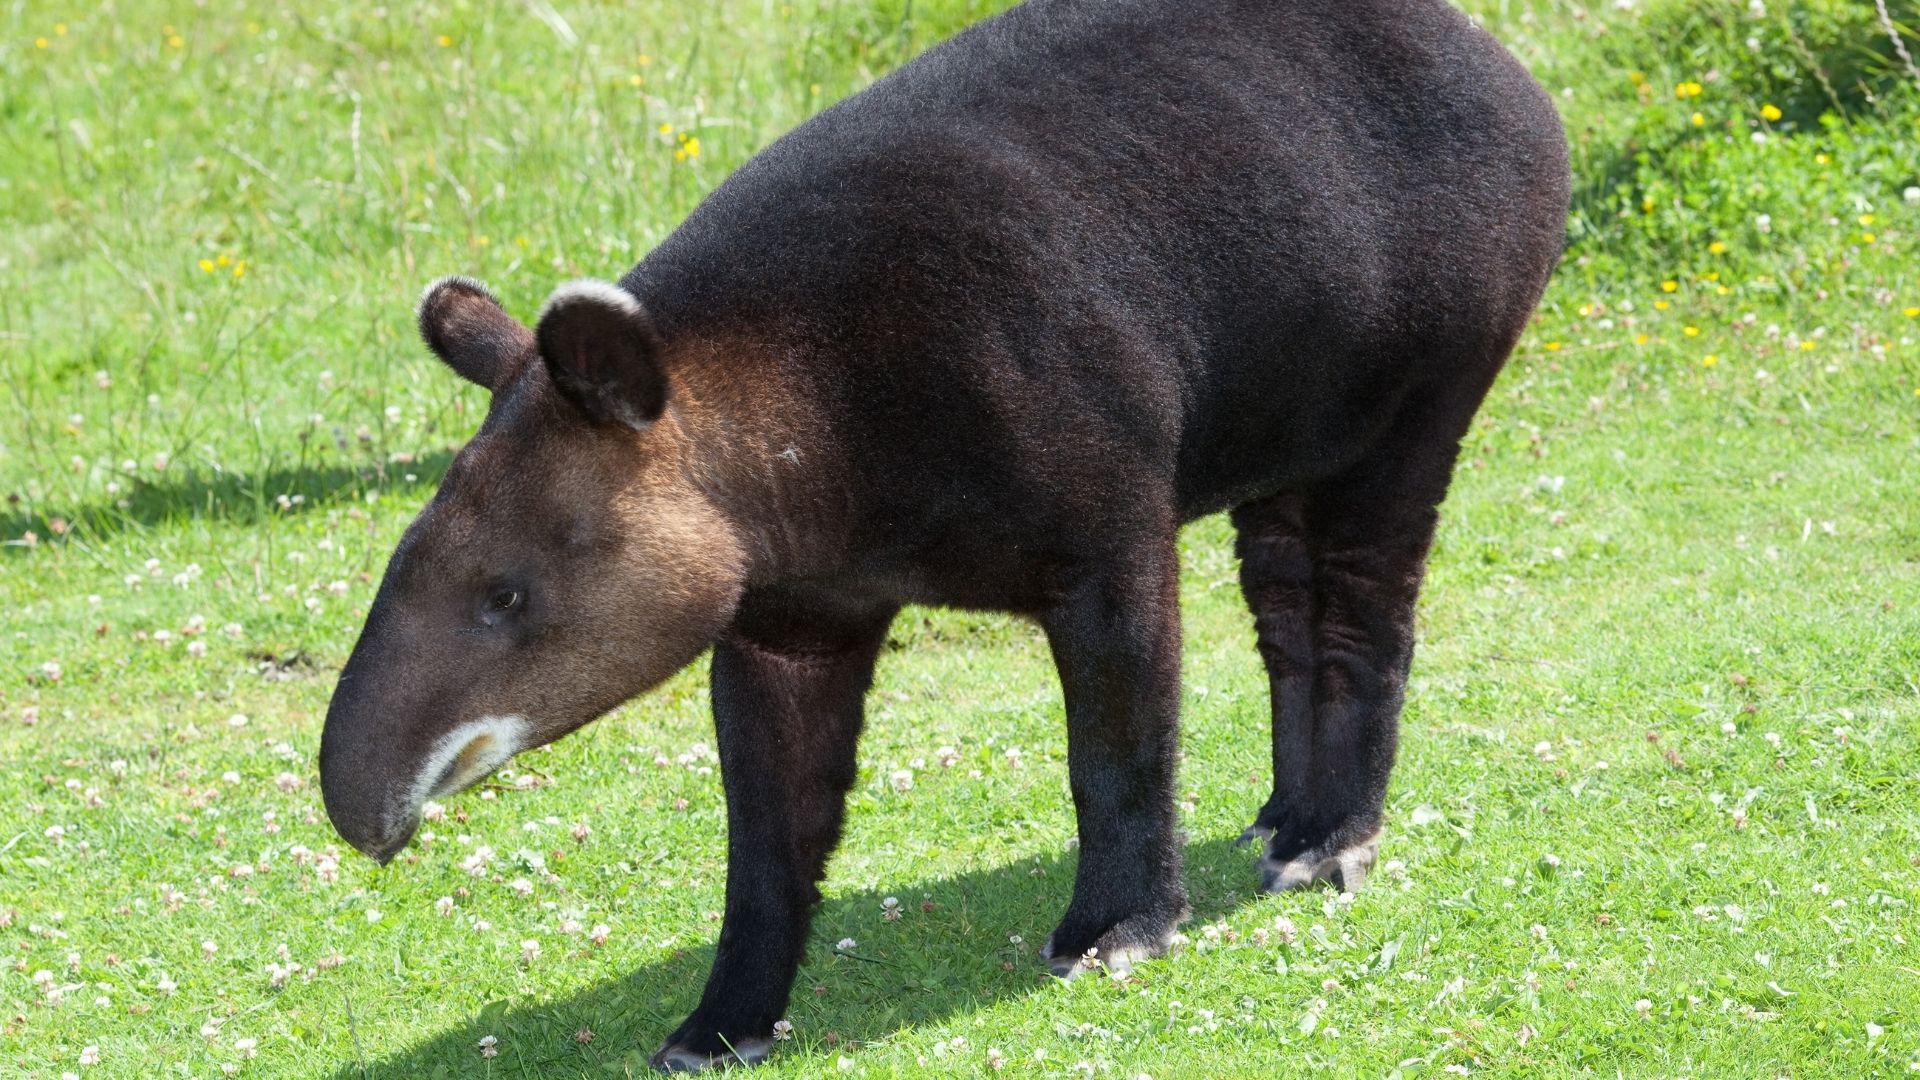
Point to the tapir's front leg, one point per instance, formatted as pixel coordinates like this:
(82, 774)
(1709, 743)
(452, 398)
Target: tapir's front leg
(788, 686)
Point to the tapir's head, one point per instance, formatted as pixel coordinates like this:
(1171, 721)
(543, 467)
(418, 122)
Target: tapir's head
(569, 561)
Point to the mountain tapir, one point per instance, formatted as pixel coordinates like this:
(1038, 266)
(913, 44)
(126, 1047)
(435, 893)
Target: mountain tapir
(985, 335)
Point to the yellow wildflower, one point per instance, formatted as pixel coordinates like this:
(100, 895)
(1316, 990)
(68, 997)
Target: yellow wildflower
(1867, 238)
(1866, 219)
(1717, 247)
(1646, 205)
(1699, 119)
(1709, 360)
(636, 80)
(1691, 331)
(666, 129)
(39, 43)
(222, 261)
(206, 265)
(444, 40)
(1553, 346)
(1661, 305)
(1636, 78)
(1722, 290)
(239, 269)
(1807, 345)
(1669, 285)
(1688, 90)
(1770, 113)
(59, 29)
(644, 60)
(1912, 312)
(1639, 339)
(1821, 159)
(176, 41)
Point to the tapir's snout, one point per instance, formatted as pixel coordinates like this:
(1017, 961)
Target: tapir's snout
(365, 799)
(384, 754)
(381, 847)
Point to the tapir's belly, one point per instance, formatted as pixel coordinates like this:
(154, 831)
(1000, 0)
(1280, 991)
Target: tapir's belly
(1248, 434)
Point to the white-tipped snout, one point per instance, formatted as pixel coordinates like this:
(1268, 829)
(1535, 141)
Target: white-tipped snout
(464, 756)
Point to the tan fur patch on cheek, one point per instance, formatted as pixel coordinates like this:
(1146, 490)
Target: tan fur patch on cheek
(682, 547)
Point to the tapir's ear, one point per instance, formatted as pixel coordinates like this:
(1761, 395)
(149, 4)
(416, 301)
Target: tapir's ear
(464, 325)
(603, 353)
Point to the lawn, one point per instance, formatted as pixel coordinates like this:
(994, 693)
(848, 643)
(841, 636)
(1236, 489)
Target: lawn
(1657, 812)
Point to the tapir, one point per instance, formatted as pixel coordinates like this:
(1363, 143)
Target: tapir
(985, 335)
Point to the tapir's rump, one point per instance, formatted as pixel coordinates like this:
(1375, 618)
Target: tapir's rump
(985, 335)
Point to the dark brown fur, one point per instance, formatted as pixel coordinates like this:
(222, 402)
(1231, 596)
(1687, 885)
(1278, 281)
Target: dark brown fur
(985, 336)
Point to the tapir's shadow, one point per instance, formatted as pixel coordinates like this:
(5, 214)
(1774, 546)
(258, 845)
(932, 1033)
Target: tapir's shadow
(916, 971)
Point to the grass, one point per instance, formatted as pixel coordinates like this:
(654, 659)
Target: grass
(1656, 812)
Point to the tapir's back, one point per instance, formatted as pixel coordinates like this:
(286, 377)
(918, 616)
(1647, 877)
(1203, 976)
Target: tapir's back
(1231, 237)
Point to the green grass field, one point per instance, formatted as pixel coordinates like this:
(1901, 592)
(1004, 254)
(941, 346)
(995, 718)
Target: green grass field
(1657, 812)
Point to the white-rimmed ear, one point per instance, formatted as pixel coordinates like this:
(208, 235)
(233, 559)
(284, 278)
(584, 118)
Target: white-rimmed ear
(603, 353)
(467, 329)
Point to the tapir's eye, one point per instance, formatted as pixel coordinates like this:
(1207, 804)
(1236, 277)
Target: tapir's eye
(504, 600)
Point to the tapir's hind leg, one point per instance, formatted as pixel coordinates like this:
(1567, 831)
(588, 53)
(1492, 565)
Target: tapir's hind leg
(1116, 642)
(1332, 574)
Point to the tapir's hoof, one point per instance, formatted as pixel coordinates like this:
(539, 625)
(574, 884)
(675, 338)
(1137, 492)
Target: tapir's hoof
(678, 1057)
(1345, 869)
(1119, 949)
(1118, 963)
